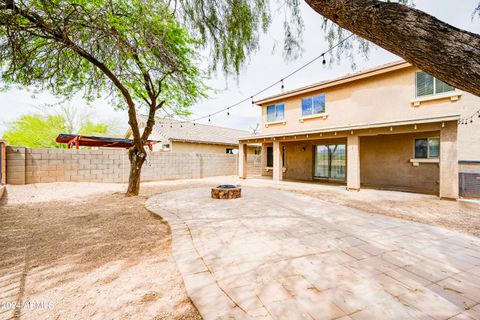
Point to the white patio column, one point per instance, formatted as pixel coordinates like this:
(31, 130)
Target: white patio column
(277, 161)
(353, 162)
(242, 161)
(448, 161)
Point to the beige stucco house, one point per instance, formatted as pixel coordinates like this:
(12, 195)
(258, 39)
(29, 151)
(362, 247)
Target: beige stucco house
(180, 136)
(391, 127)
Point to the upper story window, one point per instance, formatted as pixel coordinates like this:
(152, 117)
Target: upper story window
(428, 85)
(275, 112)
(313, 105)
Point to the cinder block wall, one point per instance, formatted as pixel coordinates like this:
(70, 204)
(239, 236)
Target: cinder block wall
(254, 165)
(25, 165)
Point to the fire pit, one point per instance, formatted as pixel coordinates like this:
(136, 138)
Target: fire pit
(226, 191)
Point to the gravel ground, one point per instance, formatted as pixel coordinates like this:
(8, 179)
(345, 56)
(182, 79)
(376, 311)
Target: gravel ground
(95, 254)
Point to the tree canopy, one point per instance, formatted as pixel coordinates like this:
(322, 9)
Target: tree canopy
(40, 131)
(231, 29)
(134, 51)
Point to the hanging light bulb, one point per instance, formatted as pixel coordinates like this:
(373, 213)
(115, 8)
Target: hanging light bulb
(209, 119)
(253, 102)
(181, 126)
(228, 112)
(194, 123)
(471, 120)
(283, 86)
(323, 60)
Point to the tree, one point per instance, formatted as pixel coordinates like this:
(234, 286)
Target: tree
(40, 131)
(448, 53)
(134, 50)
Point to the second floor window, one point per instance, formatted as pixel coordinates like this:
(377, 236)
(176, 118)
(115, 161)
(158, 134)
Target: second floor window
(275, 112)
(427, 85)
(313, 105)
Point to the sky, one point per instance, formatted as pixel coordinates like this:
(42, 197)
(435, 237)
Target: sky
(265, 67)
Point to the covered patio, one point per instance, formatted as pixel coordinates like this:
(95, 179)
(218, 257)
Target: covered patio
(400, 155)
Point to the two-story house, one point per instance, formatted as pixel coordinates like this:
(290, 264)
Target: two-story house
(391, 127)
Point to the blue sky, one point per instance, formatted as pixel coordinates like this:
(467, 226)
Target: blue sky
(265, 67)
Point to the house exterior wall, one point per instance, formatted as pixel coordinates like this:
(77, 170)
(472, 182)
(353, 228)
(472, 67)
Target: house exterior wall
(177, 146)
(385, 164)
(380, 98)
(299, 157)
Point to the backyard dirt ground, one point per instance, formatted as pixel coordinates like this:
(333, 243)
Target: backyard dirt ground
(80, 250)
(100, 256)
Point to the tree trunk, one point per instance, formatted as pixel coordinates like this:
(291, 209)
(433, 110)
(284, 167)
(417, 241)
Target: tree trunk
(445, 52)
(137, 158)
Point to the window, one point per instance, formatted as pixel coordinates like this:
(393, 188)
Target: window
(275, 112)
(229, 151)
(270, 156)
(426, 148)
(313, 105)
(428, 85)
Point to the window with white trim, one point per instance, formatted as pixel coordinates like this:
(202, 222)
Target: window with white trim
(427, 148)
(426, 85)
(313, 105)
(275, 112)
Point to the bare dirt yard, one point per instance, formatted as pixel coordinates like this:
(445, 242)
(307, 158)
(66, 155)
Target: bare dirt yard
(85, 251)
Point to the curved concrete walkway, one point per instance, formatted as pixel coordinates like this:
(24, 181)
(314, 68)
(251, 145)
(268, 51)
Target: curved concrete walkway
(279, 255)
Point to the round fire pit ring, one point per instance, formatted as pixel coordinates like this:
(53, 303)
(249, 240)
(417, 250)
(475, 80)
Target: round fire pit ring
(226, 191)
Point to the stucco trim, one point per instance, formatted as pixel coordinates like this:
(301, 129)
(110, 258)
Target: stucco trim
(454, 96)
(272, 123)
(453, 117)
(322, 115)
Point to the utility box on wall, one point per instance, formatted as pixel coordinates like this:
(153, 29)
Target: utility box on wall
(469, 184)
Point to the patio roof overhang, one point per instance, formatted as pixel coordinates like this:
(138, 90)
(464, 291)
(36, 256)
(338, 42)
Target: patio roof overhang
(92, 141)
(338, 130)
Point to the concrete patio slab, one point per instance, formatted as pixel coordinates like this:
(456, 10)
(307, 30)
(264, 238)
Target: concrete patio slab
(279, 255)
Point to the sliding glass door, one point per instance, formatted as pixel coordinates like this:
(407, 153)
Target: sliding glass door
(330, 161)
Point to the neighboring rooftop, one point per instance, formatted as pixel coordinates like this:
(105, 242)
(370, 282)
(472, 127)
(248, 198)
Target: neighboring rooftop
(343, 79)
(174, 130)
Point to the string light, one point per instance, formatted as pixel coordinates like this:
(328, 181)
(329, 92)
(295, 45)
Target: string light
(468, 120)
(322, 55)
(228, 112)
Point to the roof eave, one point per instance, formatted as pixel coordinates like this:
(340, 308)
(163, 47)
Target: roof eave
(446, 118)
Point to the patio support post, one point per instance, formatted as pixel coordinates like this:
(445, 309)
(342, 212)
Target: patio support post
(242, 161)
(277, 161)
(263, 158)
(353, 162)
(448, 161)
